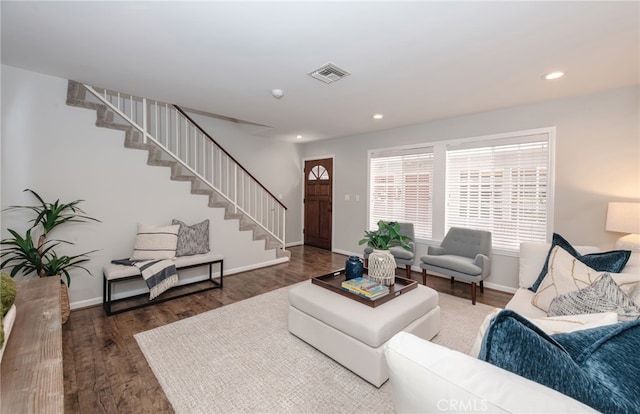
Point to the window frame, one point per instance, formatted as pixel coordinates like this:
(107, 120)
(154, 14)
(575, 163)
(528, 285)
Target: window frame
(438, 192)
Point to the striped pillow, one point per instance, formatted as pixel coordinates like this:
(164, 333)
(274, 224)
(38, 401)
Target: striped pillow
(155, 242)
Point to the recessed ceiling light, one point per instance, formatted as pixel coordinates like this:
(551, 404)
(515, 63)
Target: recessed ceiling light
(553, 75)
(298, 136)
(377, 116)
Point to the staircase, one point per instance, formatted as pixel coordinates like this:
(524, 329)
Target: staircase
(174, 140)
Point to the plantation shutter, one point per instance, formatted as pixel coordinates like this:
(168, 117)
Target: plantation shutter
(500, 186)
(400, 188)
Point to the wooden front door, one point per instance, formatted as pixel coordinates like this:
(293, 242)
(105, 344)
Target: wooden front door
(318, 185)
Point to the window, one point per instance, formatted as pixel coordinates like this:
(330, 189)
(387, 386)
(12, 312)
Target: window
(400, 188)
(501, 183)
(501, 187)
(318, 173)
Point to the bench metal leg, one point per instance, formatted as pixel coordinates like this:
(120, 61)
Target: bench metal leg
(106, 295)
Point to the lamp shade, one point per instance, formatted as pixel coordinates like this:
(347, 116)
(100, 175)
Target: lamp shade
(623, 217)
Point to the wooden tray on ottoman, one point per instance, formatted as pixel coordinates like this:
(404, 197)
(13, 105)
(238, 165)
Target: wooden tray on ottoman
(333, 281)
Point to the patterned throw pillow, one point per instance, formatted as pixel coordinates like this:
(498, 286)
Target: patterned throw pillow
(602, 296)
(567, 273)
(154, 243)
(192, 239)
(635, 295)
(613, 261)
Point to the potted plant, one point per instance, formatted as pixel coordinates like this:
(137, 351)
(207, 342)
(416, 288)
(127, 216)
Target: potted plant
(388, 235)
(382, 264)
(20, 254)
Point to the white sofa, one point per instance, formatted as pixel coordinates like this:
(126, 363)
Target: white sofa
(428, 378)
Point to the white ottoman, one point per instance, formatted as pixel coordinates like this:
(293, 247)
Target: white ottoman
(354, 334)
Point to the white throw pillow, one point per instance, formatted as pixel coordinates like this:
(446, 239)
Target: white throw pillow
(552, 324)
(154, 243)
(565, 274)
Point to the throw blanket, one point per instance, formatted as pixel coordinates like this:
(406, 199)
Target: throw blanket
(160, 275)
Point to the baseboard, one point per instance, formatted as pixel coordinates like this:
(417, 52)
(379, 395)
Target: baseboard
(293, 244)
(256, 266)
(98, 301)
(347, 253)
(494, 286)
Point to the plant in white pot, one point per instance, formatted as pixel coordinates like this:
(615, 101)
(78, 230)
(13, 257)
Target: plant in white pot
(382, 264)
(21, 254)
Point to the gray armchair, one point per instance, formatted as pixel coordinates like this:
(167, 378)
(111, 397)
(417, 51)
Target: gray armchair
(403, 256)
(464, 254)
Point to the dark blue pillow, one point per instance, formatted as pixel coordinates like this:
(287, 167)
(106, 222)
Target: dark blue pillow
(613, 261)
(598, 367)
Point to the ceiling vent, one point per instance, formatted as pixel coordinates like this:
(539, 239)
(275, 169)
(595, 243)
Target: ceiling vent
(329, 73)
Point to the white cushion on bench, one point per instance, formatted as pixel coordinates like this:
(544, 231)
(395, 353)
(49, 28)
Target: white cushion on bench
(115, 271)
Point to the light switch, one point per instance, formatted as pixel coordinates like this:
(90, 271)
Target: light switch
(347, 197)
(357, 197)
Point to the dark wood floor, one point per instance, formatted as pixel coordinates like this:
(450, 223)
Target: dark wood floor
(105, 371)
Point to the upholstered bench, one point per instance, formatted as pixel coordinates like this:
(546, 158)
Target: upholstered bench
(353, 333)
(116, 273)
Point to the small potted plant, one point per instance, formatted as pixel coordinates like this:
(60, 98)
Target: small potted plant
(382, 264)
(388, 235)
(21, 255)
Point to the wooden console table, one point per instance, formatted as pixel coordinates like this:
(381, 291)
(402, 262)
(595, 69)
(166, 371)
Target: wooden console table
(31, 376)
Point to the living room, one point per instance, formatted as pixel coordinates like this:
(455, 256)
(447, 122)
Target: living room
(58, 151)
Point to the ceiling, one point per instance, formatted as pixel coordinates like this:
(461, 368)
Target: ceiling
(411, 61)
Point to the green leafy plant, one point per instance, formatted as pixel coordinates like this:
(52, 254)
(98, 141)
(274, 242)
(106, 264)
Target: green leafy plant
(388, 235)
(51, 215)
(20, 254)
(60, 265)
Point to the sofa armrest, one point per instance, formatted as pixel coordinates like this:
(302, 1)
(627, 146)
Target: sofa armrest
(435, 250)
(426, 377)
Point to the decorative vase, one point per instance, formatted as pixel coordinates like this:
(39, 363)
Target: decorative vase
(65, 308)
(382, 267)
(353, 267)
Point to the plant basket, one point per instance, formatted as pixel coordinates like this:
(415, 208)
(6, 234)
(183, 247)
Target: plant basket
(65, 307)
(382, 267)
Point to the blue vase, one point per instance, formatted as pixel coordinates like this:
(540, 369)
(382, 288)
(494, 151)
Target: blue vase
(353, 267)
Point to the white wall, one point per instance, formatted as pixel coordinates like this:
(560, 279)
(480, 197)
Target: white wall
(58, 151)
(597, 161)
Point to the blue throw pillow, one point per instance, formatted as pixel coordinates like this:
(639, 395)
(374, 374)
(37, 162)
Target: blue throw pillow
(609, 354)
(613, 261)
(599, 367)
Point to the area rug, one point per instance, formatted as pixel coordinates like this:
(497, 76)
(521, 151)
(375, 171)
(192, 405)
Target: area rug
(241, 358)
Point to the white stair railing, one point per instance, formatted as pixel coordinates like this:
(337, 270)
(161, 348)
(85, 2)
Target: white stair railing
(171, 129)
